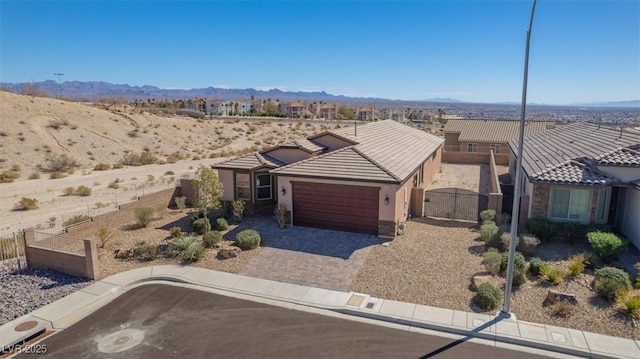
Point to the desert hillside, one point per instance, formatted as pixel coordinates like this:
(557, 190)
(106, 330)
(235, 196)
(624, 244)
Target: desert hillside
(34, 128)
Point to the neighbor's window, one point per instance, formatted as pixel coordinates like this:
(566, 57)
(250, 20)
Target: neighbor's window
(601, 212)
(263, 186)
(570, 204)
(495, 148)
(243, 186)
(473, 147)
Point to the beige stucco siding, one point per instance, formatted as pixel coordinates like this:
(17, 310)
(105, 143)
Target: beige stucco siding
(629, 224)
(226, 178)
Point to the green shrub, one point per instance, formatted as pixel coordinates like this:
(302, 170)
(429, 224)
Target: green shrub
(9, 176)
(201, 225)
(101, 167)
(212, 238)
(553, 275)
(489, 234)
(527, 244)
(221, 224)
(488, 215)
(193, 216)
(637, 285)
(59, 163)
(181, 202)
(519, 264)
(175, 232)
(628, 303)
(576, 265)
(537, 265)
(237, 208)
(488, 296)
(186, 248)
(248, 239)
(26, 204)
(146, 252)
(563, 309)
(571, 231)
(103, 235)
(280, 212)
(609, 281)
(491, 259)
(541, 228)
(144, 215)
(141, 159)
(607, 246)
(505, 239)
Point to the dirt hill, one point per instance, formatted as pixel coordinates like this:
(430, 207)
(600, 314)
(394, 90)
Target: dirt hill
(33, 128)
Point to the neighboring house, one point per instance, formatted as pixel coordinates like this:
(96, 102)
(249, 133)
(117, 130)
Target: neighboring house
(297, 109)
(365, 114)
(583, 173)
(482, 136)
(398, 115)
(356, 179)
(328, 111)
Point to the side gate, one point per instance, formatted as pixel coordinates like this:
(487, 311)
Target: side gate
(454, 203)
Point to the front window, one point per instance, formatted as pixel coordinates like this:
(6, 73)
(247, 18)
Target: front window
(602, 201)
(243, 186)
(473, 147)
(570, 204)
(495, 148)
(263, 187)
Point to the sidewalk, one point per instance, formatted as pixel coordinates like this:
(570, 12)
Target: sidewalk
(481, 328)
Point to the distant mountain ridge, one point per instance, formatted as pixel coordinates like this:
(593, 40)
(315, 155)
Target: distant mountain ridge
(92, 90)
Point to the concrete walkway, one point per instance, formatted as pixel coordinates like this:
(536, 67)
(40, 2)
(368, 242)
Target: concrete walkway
(463, 326)
(309, 256)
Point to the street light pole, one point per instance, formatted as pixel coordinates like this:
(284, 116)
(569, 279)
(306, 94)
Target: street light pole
(518, 180)
(59, 83)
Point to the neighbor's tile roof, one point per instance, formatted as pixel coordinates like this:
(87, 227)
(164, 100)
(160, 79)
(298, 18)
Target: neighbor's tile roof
(250, 162)
(492, 130)
(346, 163)
(620, 157)
(576, 141)
(573, 172)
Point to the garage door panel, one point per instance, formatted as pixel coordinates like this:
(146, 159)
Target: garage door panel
(343, 208)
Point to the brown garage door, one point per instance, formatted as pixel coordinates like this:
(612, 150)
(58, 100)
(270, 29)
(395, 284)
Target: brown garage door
(342, 208)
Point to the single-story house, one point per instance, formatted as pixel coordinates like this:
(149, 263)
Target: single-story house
(484, 136)
(584, 173)
(358, 178)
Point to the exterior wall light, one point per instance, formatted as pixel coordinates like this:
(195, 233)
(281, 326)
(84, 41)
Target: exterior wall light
(283, 191)
(386, 199)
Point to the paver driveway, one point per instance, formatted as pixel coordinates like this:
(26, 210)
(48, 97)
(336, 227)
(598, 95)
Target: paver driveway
(310, 256)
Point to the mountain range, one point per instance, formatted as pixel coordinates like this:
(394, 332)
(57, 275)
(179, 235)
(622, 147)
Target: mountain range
(92, 90)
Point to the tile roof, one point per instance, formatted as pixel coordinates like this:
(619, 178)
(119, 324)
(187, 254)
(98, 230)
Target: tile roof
(573, 172)
(620, 157)
(492, 130)
(251, 161)
(383, 151)
(395, 147)
(345, 163)
(303, 144)
(576, 141)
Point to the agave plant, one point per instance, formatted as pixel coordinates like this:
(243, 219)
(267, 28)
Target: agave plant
(187, 248)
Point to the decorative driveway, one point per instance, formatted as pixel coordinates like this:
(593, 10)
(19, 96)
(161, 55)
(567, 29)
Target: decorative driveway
(310, 256)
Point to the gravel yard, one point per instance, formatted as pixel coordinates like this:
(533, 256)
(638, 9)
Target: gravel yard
(434, 261)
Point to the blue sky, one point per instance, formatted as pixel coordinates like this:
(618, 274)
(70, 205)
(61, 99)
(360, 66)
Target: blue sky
(581, 51)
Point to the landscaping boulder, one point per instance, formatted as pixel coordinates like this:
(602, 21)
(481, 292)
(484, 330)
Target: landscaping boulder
(123, 253)
(479, 279)
(227, 252)
(554, 296)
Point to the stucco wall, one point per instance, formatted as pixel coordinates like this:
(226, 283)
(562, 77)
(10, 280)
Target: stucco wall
(630, 225)
(226, 178)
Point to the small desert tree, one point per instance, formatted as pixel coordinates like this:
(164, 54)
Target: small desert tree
(209, 190)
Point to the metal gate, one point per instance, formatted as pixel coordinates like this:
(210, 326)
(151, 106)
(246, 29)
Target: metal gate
(454, 203)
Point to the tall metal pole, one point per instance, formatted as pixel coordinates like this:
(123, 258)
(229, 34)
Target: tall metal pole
(518, 181)
(59, 83)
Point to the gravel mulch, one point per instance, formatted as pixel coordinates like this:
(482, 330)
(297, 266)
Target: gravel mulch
(434, 261)
(25, 291)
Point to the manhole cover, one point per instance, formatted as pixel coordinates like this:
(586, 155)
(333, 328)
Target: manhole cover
(24, 326)
(120, 341)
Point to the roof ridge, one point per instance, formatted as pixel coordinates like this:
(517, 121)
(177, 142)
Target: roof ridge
(377, 164)
(314, 158)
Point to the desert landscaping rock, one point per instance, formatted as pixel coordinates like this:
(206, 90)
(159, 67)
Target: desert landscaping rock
(554, 296)
(227, 252)
(480, 279)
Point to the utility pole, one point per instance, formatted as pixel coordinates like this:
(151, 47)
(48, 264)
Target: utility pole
(517, 188)
(59, 83)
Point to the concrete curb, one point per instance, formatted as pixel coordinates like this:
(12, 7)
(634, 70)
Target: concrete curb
(408, 316)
